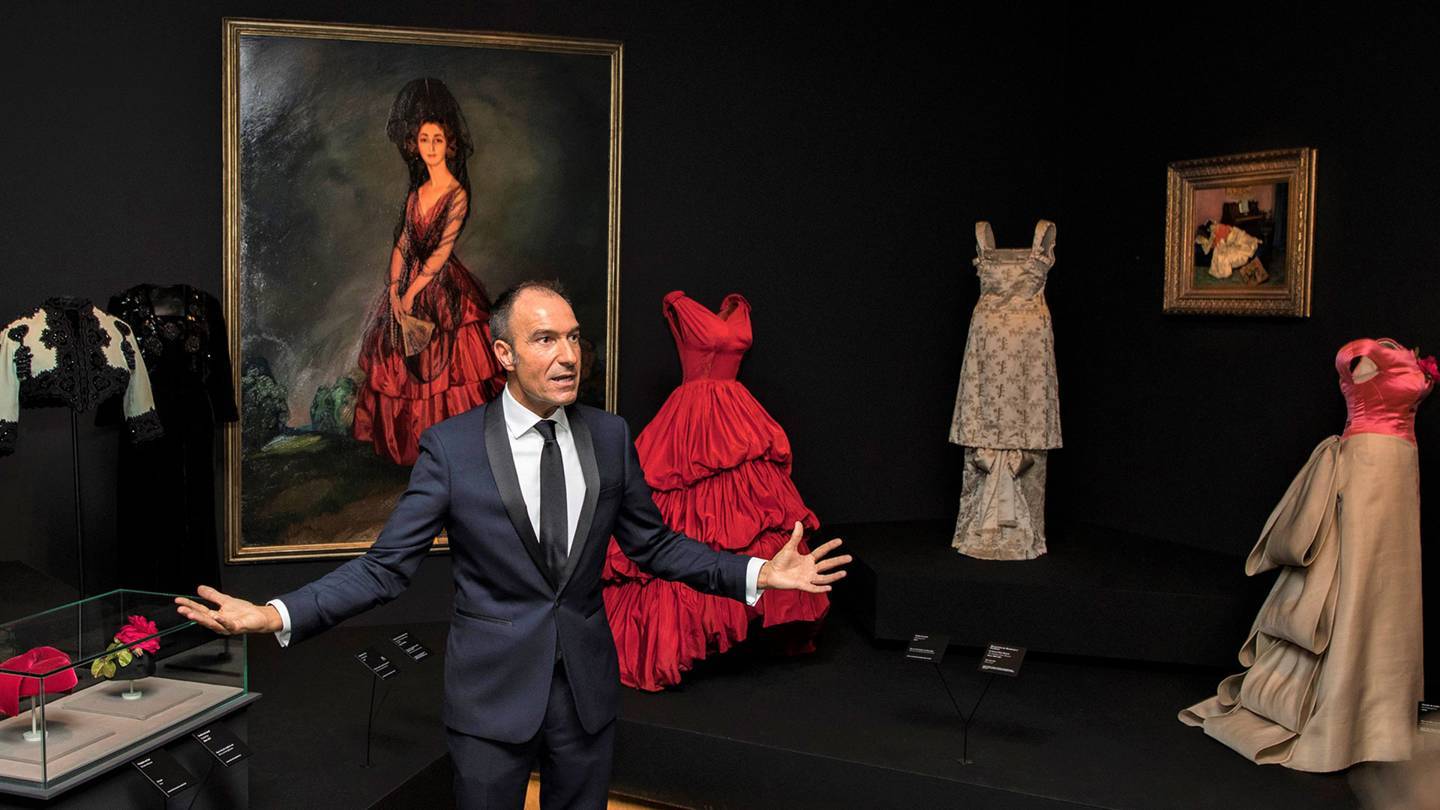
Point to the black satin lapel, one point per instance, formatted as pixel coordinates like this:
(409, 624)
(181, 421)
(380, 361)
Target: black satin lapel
(502, 466)
(585, 449)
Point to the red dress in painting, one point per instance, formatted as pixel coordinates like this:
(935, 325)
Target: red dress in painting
(457, 370)
(720, 470)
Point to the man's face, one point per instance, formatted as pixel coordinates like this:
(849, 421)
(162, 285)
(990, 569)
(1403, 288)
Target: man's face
(544, 362)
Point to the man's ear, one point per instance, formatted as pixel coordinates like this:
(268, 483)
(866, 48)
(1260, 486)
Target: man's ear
(504, 354)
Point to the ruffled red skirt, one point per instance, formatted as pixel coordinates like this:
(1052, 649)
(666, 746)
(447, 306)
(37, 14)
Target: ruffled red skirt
(455, 372)
(720, 468)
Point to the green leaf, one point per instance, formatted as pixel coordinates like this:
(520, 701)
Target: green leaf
(95, 667)
(109, 669)
(124, 657)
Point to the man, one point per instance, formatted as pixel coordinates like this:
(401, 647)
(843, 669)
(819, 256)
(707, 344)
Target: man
(529, 488)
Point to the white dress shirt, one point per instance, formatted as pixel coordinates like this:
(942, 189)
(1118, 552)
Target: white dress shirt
(526, 444)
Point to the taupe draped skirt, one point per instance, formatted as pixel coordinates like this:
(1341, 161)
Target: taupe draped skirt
(1335, 665)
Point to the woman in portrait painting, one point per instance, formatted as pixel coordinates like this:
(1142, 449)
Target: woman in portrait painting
(426, 350)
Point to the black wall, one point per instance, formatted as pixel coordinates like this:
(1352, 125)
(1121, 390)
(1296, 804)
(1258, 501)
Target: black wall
(1190, 428)
(830, 165)
(829, 168)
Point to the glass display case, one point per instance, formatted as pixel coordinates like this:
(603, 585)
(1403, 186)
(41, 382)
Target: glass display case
(95, 683)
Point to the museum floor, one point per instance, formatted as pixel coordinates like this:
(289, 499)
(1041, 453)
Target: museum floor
(855, 725)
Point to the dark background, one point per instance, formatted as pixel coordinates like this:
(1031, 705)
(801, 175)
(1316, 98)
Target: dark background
(830, 165)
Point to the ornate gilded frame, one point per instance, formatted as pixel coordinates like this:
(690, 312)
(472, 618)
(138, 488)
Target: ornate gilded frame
(236, 29)
(1294, 167)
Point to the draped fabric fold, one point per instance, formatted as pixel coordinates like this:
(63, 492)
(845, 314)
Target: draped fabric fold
(1003, 501)
(1002, 504)
(1287, 642)
(1296, 527)
(1300, 535)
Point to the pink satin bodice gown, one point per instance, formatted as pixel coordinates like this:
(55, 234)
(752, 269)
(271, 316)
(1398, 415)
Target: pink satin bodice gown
(719, 466)
(1335, 660)
(1385, 398)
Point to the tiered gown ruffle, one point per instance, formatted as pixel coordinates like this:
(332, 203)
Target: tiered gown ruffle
(719, 466)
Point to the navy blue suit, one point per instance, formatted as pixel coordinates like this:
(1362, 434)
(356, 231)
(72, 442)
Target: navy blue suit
(510, 612)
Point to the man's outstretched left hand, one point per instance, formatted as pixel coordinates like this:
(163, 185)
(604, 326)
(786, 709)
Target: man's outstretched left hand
(790, 570)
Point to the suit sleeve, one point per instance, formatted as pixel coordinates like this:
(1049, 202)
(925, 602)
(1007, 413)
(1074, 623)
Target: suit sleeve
(665, 553)
(384, 572)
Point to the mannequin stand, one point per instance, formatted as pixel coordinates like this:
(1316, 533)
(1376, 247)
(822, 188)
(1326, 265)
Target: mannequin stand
(79, 512)
(965, 720)
(370, 717)
(34, 734)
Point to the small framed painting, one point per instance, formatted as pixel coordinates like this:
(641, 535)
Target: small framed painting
(1238, 234)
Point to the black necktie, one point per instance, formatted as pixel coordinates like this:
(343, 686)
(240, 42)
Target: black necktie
(554, 517)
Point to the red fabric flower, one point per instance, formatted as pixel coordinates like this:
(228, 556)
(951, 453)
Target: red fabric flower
(137, 628)
(1430, 367)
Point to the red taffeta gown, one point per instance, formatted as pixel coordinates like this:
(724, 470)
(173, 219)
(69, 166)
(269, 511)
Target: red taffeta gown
(457, 370)
(720, 468)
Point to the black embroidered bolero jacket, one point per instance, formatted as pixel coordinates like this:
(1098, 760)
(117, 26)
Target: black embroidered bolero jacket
(71, 353)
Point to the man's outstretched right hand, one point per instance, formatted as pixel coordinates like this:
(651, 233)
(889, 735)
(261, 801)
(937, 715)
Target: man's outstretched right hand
(229, 616)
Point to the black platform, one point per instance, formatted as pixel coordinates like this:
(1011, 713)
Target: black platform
(1096, 593)
(857, 725)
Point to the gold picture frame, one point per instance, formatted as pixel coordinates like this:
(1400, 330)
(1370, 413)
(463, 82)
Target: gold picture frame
(308, 113)
(1238, 234)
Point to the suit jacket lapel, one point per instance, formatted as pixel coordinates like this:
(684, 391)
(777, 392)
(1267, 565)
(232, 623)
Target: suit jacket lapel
(502, 466)
(585, 449)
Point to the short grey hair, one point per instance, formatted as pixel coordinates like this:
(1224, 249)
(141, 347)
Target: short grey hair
(505, 305)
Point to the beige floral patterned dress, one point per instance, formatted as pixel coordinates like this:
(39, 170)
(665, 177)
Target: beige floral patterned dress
(1007, 412)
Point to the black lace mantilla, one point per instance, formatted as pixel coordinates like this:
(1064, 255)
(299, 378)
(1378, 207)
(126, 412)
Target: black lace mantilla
(8, 433)
(145, 427)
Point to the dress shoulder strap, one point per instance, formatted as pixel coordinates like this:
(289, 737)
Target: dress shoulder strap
(1350, 352)
(1044, 237)
(984, 237)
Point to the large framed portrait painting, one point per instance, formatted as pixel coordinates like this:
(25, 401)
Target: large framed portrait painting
(382, 186)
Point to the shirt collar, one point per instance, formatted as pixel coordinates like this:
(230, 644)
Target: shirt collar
(519, 419)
